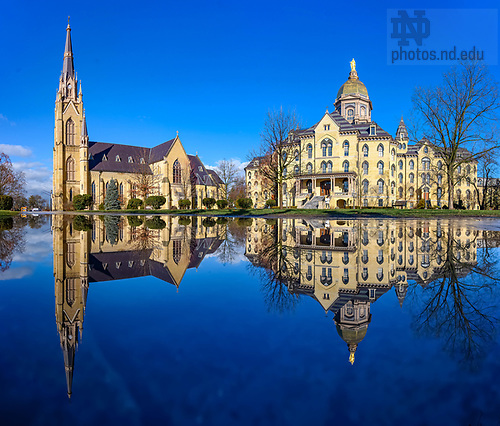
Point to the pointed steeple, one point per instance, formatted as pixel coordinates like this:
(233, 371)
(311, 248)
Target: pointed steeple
(84, 140)
(402, 132)
(68, 67)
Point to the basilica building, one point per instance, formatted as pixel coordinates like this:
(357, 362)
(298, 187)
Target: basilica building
(85, 167)
(346, 160)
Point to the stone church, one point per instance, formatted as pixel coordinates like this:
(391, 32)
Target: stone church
(85, 167)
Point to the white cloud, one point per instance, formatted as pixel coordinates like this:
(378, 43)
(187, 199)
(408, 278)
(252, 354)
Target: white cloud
(15, 273)
(38, 246)
(15, 150)
(4, 119)
(38, 176)
(239, 164)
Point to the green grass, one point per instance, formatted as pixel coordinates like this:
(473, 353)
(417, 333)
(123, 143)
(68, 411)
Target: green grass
(288, 212)
(8, 213)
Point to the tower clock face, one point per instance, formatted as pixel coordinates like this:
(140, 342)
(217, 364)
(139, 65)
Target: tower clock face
(69, 86)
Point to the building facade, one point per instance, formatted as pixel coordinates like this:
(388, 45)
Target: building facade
(82, 166)
(347, 160)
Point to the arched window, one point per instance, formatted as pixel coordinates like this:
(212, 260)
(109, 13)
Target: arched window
(296, 170)
(329, 149)
(440, 179)
(392, 154)
(365, 187)
(71, 194)
(411, 191)
(249, 175)
(350, 113)
(393, 170)
(393, 186)
(296, 154)
(121, 190)
(400, 191)
(309, 151)
(400, 164)
(426, 150)
(346, 166)
(439, 193)
(400, 178)
(323, 167)
(70, 291)
(459, 169)
(411, 164)
(411, 177)
(323, 149)
(346, 148)
(177, 171)
(70, 169)
(309, 168)
(439, 165)
(70, 132)
(426, 164)
(459, 194)
(467, 195)
(380, 186)
(380, 150)
(380, 166)
(365, 150)
(265, 195)
(329, 167)
(363, 111)
(93, 191)
(365, 168)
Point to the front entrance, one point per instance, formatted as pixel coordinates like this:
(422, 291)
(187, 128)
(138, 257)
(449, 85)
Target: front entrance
(325, 188)
(341, 204)
(309, 185)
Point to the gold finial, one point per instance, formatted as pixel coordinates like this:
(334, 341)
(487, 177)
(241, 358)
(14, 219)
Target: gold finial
(351, 358)
(353, 65)
(177, 132)
(68, 21)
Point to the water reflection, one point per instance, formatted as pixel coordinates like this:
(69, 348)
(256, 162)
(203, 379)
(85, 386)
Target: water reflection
(447, 270)
(348, 265)
(105, 248)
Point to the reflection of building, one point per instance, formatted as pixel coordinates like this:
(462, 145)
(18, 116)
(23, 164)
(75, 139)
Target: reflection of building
(347, 265)
(115, 249)
(85, 167)
(348, 160)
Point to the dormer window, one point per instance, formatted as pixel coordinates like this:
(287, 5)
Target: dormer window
(130, 160)
(142, 161)
(326, 127)
(426, 150)
(91, 157)
(350, 113)
(373, 130)
(118, 159)
(104, 158)
(200, 168)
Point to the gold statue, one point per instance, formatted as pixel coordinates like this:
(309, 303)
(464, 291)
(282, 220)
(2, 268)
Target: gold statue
(353, 65)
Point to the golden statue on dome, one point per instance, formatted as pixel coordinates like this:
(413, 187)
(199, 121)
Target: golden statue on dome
(353, 65)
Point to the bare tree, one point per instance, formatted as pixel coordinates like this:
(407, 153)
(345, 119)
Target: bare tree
(228, 173)
(487, 166)
(278, 150)
(457, 118)
(11, 182)
(145, 181)
(238, 189)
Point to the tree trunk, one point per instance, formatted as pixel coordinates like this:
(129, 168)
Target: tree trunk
(450, 191)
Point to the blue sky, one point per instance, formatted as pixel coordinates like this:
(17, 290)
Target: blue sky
(208, 69)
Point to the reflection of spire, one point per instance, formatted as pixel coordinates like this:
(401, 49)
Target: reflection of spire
(401, 290)
(352, 351)
(69, 340)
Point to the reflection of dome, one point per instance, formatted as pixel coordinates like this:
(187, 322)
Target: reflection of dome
(353, 86)
(352, 336)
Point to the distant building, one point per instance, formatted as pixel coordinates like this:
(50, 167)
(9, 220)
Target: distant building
(82, 166)
(347, 160)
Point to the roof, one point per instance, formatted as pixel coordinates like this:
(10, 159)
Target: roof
(353, 86)
(112, 157)
(364, 130)
(158, 152)
(68, 67)
(215, 177)
(199, 171)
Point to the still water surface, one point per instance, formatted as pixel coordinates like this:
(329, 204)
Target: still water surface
(172, 321)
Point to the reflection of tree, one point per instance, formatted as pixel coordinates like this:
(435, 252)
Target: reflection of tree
(275, 271)
(112, 228)
(457, 304)
(11, 241)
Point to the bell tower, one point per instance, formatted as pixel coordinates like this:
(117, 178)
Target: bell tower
(70, 169)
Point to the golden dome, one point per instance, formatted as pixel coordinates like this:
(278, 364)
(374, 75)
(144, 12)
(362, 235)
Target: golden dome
(352, 336)
(353, 86)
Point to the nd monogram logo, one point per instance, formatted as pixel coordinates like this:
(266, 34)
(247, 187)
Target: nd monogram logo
(405, 28)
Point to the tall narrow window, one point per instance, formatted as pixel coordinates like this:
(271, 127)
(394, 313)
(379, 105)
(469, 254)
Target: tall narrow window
(323, 149)
(93, 191)
(346, 148)
(380, 186)
(177, 251)
(329, 167)
(177, 172)
(329, 149)
(380, 168)
(412, 164)
(380, 150)
(70, 169)
(323, 167)
(70, 132)
(365, 168)
(346, 166)
(70, 291)
(309, 151)
(365, 150)
(365, 187)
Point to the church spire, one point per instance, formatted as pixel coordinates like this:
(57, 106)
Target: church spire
(68, 67)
